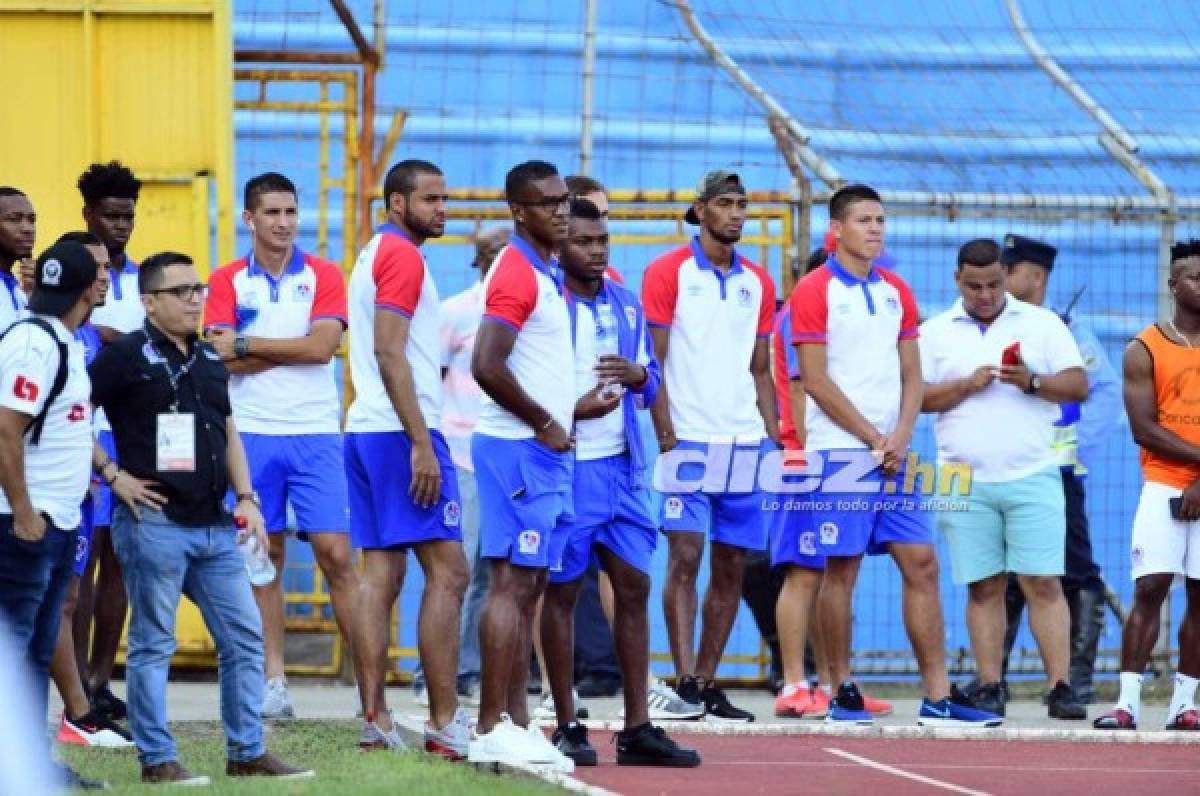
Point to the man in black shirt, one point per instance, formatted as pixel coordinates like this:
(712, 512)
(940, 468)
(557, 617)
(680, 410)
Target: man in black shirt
(166, 396)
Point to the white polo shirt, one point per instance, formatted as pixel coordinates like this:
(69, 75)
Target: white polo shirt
(287, 399)
(1001, 432)
(526, 293)
(57, 469)
(122, 309)
(860, 322)
(461, 396)
(390, 275)
(596, 336)
(715, 320)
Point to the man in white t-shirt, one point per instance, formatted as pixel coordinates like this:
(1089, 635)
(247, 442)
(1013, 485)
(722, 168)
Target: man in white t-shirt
(992, 361)
(45, 454)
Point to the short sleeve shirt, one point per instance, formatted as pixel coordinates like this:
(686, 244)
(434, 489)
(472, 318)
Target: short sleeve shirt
(715, 319)
(243, 296)
(860, 322)
(953, 345)
(462, 398)
(58, 468)
(122, 309)
(785, 368)
(390, 275)
(525, 292)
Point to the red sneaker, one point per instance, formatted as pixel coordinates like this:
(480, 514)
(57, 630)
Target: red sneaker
(1115, 719)
(877, 707)
(820, 703)
(1185, 720)
(795, 705)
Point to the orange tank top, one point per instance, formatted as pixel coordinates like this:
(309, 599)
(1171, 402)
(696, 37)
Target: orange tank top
(1177, 394)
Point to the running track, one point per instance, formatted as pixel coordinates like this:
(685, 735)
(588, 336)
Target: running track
(743, 765)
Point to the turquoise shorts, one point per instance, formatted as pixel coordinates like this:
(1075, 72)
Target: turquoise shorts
(1009, 526)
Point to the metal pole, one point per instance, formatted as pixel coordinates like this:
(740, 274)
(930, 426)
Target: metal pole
(815, 163)
(589, 87)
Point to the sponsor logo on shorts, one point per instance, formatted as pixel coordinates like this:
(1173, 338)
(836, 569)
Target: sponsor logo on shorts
(528, 542)
(829, 533)
(451, 514)
(808, 542)
(673, 508)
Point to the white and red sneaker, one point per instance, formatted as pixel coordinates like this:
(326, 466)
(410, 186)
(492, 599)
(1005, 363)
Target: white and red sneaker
(1186, 719)
(452, 741)
(93, 730)
(1116, 719)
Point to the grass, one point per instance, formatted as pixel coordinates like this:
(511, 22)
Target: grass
(329, 747)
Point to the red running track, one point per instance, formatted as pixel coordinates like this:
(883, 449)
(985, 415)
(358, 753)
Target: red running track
(744, 765)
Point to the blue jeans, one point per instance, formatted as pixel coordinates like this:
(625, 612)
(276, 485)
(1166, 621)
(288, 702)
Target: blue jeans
(33, 583)
(161, 560)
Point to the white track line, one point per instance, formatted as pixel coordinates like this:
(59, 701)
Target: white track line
(899, 772)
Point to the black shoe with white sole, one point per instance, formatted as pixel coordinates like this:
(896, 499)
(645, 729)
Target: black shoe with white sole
(647, 745)
(572, 740)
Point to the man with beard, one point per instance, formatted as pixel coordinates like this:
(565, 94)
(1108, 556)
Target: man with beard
(18, 227)
(710, 311)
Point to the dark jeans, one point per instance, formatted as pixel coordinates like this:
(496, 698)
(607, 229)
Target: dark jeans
(33, 583)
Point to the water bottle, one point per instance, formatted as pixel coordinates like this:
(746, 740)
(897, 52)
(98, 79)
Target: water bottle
(258, 563)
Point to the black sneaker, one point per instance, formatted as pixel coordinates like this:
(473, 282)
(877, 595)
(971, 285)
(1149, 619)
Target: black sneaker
(991, 697)
(108, 704)
(718, 708)
(647, 745)
(1061, 703)
(571, 739)
(689, 691)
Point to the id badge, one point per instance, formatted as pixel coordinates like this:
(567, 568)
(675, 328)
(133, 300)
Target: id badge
(176, 442)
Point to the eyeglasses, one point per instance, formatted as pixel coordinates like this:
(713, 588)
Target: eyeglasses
(185, 292)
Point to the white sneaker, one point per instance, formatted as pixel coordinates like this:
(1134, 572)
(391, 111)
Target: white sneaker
(544, 753)
(545, 711)
(452, 741)
(373, 738)
(276, 703)
(506, 743)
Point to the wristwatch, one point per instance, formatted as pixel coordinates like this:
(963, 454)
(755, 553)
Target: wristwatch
(1035, 384)
(241, 346)
(251, 496)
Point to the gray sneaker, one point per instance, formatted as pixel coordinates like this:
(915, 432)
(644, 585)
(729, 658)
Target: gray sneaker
(666, 705)
(373, 738)
(276, 702)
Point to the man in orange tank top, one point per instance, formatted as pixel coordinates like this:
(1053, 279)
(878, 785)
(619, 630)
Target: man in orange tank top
(1162, 397)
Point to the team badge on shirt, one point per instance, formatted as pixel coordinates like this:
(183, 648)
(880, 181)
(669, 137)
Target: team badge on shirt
(302, 292)
(808, 543)
(829, 533)
(893, 305)
(745, 299)
(673, 507)
(451, 514)
(528, 542)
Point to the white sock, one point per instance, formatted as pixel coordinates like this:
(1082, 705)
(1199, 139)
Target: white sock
(1130, 698)
(792, 688)
(826, 688)
(1184, 696)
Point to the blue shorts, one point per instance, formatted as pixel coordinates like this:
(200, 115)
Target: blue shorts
(382, 513)
(305, 470)
(727, 501)
(610, 511)
(102, 494)
(524, 500)
(857, 509)
(83, 540)
(793, 534)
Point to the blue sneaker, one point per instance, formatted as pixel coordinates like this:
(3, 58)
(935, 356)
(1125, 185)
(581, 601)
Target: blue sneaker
(956, 710)
(847, 707)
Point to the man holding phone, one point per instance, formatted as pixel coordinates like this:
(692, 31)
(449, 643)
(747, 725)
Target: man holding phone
(1159, 367)
(1014, 520)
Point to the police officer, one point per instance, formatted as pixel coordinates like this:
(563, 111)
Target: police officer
(1079, 433)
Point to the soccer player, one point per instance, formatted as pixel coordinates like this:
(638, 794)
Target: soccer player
(710, 311)
(1014, 519)
(583, 187)
(855, 326)
(615, 374)
(403, 489)
(276, 317)
(110, 193)
(525, 365)
(18, 228)
(1160, 400)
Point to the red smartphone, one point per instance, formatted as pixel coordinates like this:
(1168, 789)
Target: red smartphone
(1011, 355)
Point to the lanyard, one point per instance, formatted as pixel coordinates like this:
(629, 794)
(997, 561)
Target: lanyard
(172, 375)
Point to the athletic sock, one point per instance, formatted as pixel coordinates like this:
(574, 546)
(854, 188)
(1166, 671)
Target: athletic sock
(1130, 699)
(792, 688)
(1184, 696)
(827, 689)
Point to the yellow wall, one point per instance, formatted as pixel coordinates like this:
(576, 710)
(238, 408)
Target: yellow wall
(147, 82)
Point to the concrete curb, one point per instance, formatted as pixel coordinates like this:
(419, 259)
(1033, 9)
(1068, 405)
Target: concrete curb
(412, 729)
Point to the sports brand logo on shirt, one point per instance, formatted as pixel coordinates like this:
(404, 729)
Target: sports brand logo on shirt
(808, 543)
(77, 414)
(25, 390)
(451, 514)
(151, 354)
(1138, 554)
(694, 290)
(829, 533)
(893, 305)
(744, 297)
(528, 542)
(673, 508)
